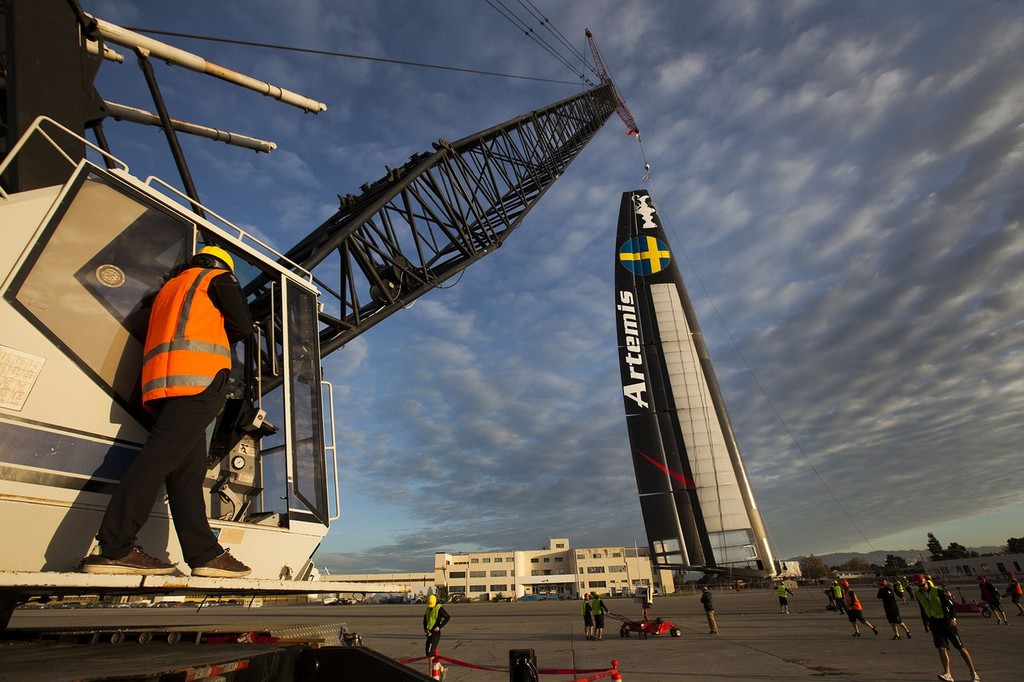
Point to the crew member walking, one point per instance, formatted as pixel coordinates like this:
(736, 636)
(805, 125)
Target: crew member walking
(892, 610)
(709, 610)
(784, 593)
(434, 618)
(990, 595)
(854, 610)
(837, 596)
(197, 316)
(1013, 591)
(939, 617)
(900, 590)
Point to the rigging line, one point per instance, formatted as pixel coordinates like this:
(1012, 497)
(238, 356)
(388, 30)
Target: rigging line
(516, 21)
(546, 23)
(761, 388)
(522, 26)
(346, 55)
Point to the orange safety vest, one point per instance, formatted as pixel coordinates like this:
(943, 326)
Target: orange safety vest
(852, 604)
(186, 344)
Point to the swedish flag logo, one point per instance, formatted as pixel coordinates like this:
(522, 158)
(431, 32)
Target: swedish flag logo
(644, 255)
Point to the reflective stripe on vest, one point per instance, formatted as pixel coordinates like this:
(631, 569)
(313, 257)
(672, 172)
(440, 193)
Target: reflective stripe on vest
(186, 344)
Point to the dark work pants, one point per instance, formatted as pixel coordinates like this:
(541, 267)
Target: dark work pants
(175, 456)
(433, 639)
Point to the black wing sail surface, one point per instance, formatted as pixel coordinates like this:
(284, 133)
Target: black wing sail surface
(699, 510)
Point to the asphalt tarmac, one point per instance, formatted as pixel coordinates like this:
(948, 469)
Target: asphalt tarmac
(756, 641)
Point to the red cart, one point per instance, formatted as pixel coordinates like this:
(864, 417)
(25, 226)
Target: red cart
(645, 628)
(972, 607)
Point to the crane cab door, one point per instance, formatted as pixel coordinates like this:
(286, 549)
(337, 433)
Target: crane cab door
(270, 440)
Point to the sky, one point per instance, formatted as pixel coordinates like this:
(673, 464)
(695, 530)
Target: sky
(842, 179)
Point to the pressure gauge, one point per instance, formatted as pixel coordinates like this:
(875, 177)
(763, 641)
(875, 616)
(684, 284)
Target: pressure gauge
(237, 462)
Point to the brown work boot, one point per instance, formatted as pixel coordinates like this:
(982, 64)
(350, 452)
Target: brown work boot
(136, 562)
(224, 566)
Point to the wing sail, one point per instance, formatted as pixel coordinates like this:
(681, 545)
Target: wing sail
(699, 510)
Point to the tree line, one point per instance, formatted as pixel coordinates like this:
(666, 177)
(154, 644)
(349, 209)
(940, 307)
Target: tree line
(814, 567)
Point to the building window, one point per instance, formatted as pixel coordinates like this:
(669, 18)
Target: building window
(487, 560)
(474, 561)
(547, 560)
(616, 553)
(499, 574)
(457, 574)
(478, 588)
(558, 558)
(579, 555)
(560, 545)
(499, 588)
(478, 574)
(461, 589)
(617, 569)
(497, 559)
(595, 569)
(534, 560)
(597, 583)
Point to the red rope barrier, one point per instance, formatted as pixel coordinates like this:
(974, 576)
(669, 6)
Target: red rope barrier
(601, 672)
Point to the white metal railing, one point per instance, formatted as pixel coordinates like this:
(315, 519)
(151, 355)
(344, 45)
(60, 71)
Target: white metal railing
(240, 234)
(37, 128)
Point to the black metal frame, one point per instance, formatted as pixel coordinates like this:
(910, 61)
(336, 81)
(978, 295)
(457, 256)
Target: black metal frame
(428, 220)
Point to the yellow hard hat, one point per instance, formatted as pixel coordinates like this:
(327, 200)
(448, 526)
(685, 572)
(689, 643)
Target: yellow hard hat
(219, 254)
(431, 601)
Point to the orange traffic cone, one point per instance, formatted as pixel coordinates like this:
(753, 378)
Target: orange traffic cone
(436, 669)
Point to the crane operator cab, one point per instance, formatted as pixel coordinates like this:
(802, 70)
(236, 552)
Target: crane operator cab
(83, 261)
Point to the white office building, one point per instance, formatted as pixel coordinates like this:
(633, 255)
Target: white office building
(556, 571)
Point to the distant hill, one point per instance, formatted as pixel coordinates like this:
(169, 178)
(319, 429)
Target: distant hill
(878, 557)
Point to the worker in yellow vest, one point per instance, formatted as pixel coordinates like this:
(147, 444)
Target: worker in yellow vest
(784, 594)
(938, 614)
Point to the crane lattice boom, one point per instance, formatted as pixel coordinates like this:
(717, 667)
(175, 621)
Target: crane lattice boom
(431, 218)
(602, 71)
